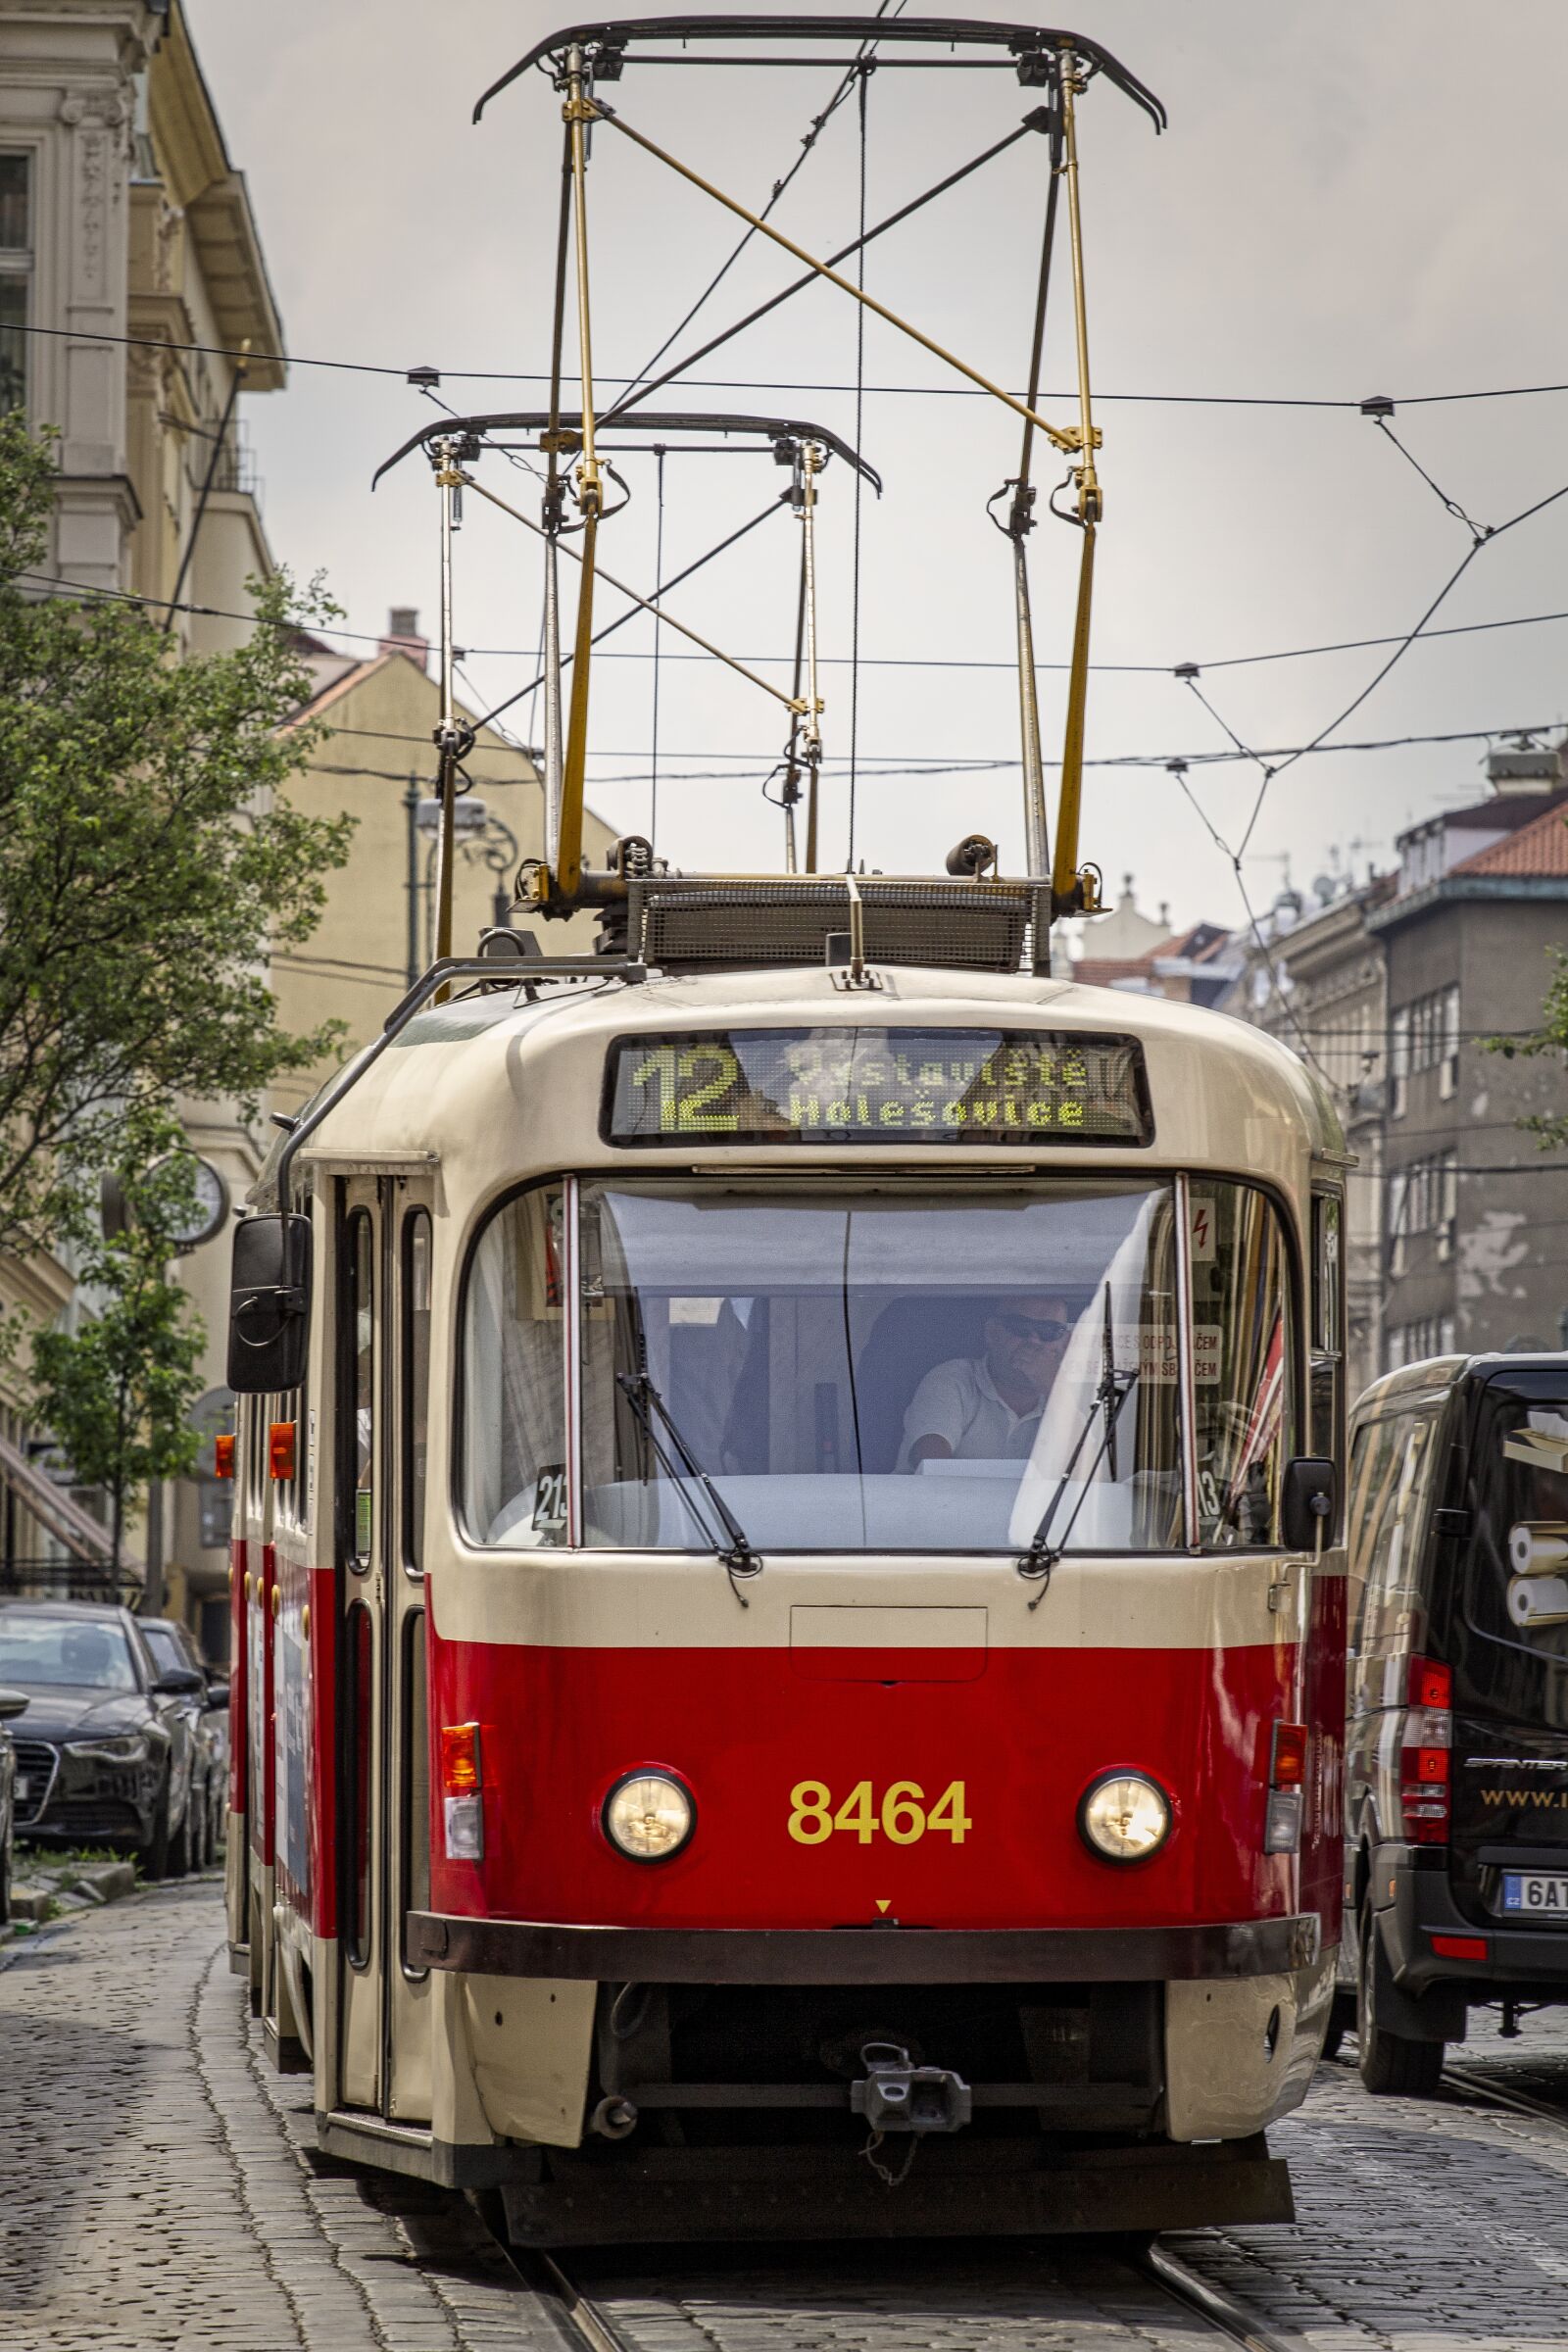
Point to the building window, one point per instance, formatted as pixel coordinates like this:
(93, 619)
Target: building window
(16, 276)
(1426, 1036)
(1423, 1197)
(1413, 1343)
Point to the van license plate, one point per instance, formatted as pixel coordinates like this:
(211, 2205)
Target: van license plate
(1544, 1896)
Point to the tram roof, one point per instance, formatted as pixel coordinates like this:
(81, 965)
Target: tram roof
(1225, 1095)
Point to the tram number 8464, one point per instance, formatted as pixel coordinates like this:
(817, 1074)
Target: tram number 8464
(901, 1815)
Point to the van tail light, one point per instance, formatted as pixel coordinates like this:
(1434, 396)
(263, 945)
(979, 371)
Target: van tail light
(280, 1449)
(1426, 1741)
(223, 1454)
(462, 1792)
(1287, 1770)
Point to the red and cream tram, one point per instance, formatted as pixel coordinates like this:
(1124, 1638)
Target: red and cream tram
(788, 1609)
(790, 1612)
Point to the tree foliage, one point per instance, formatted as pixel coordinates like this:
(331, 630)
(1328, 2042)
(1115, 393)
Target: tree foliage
(117, 1391)
(1550, 1127)
(148, 862)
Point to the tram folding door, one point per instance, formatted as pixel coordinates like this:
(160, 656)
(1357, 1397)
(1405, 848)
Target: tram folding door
(378, 1479)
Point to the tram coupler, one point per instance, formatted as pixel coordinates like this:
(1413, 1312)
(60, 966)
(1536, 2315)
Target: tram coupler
(897, 2095)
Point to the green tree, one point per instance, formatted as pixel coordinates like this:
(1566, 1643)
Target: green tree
(148, 862)
(117, 1391)
(1550, 1128)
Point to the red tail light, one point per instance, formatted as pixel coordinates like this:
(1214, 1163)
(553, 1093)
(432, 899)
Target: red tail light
(1426, 1741)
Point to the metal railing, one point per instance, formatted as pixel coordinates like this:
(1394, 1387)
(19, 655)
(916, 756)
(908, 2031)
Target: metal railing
(66, 1580)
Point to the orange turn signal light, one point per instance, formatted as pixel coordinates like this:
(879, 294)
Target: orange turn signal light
(280, 1449)
(223, 1454)
(460, 1759)
(1287, 1764)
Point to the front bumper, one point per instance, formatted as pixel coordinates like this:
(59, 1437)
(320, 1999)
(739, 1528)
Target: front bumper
(509, 1947)
(1421, 1908)
(85, 1800)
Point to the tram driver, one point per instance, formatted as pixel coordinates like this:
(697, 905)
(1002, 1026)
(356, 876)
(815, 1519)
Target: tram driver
(986, 1407)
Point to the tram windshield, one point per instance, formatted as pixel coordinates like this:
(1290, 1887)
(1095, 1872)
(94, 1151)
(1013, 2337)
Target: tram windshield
(877, 1368)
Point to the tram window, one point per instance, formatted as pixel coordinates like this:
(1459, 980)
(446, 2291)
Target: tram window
(905, 1368)
(359, 1701)
(358, 1375)
(1244, 1364)
(415, 1383)
(513, 1384)
(1328, 1323)
(415, 1787)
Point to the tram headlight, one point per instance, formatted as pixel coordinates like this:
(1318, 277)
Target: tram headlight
(1124, 1817)
(649, 1816)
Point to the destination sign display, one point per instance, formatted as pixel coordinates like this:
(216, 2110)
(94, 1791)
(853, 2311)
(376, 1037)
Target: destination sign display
(1014, 1087)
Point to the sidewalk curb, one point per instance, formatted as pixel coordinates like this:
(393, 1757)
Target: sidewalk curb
(84, 1891)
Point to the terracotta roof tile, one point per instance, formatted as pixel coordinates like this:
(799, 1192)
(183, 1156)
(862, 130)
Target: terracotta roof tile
(1100, 971)
(1540, 847)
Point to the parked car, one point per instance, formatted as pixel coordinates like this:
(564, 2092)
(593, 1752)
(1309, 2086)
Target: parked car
(173, 1645)
(12, 1704)
(1457, 1740)
(109, 1749)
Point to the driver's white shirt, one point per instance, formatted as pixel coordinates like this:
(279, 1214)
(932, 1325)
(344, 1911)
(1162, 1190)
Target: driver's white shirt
(959, 1401)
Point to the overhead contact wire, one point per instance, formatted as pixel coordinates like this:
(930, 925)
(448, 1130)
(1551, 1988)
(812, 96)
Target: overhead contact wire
(855, 571)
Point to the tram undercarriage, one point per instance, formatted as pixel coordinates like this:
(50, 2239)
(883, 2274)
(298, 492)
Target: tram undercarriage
(872, 2110)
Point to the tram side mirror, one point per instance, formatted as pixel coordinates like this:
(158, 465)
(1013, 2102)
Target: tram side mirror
(1309, 1502)
(269, 1304)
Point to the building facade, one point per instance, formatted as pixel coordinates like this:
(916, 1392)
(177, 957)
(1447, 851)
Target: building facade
(1312, 975)
(376, 764)
(125, 232)
(1400, 992)
(1477, 1214)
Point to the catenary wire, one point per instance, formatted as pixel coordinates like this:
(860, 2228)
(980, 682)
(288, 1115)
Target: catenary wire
(816, 127)
(916, 763)
(524, 376)
(514, 653)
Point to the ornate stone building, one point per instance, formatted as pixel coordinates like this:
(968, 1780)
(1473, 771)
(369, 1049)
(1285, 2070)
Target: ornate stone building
(126, 233)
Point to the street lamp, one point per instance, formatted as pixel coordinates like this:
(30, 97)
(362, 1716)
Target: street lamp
(478, 834)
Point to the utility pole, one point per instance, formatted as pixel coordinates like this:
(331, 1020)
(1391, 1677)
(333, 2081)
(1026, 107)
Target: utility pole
(412, 885)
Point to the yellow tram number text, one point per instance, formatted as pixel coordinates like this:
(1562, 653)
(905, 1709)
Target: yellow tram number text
(901, 1815)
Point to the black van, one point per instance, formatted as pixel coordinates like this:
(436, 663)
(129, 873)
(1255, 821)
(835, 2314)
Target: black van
(1456, 1733)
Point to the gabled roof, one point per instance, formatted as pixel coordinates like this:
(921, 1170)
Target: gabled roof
(1539, 848)
(1502, 813)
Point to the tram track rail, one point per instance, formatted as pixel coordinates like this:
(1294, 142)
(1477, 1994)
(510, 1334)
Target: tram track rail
(584, 2322)
(1499, 2094)
(1228, 2317)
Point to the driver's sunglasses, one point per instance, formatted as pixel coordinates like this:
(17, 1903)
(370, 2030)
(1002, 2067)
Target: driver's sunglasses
(1034, 1327)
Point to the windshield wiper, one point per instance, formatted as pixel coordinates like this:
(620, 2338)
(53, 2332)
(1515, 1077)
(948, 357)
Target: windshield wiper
(738, 1557)
(1109, 1396)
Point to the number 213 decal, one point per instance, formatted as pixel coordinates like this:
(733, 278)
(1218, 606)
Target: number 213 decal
(901, 1815)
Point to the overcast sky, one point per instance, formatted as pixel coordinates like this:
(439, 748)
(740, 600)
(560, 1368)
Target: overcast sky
(1349, 200)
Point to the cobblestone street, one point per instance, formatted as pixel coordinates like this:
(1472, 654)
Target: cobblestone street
(158, 2189)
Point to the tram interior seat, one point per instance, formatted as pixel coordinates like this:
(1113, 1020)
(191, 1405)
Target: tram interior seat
(909, 1338)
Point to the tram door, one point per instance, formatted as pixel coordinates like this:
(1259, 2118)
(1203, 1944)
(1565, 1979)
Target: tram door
(384, 1329)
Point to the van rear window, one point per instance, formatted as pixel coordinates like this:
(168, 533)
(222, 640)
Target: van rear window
(1519, 1502)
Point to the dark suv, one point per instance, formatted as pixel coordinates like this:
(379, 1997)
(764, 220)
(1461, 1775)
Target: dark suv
(108, 1750)
(1457, 1740)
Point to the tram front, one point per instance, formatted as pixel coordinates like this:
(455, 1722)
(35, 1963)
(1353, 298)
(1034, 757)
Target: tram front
(884, 1654)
